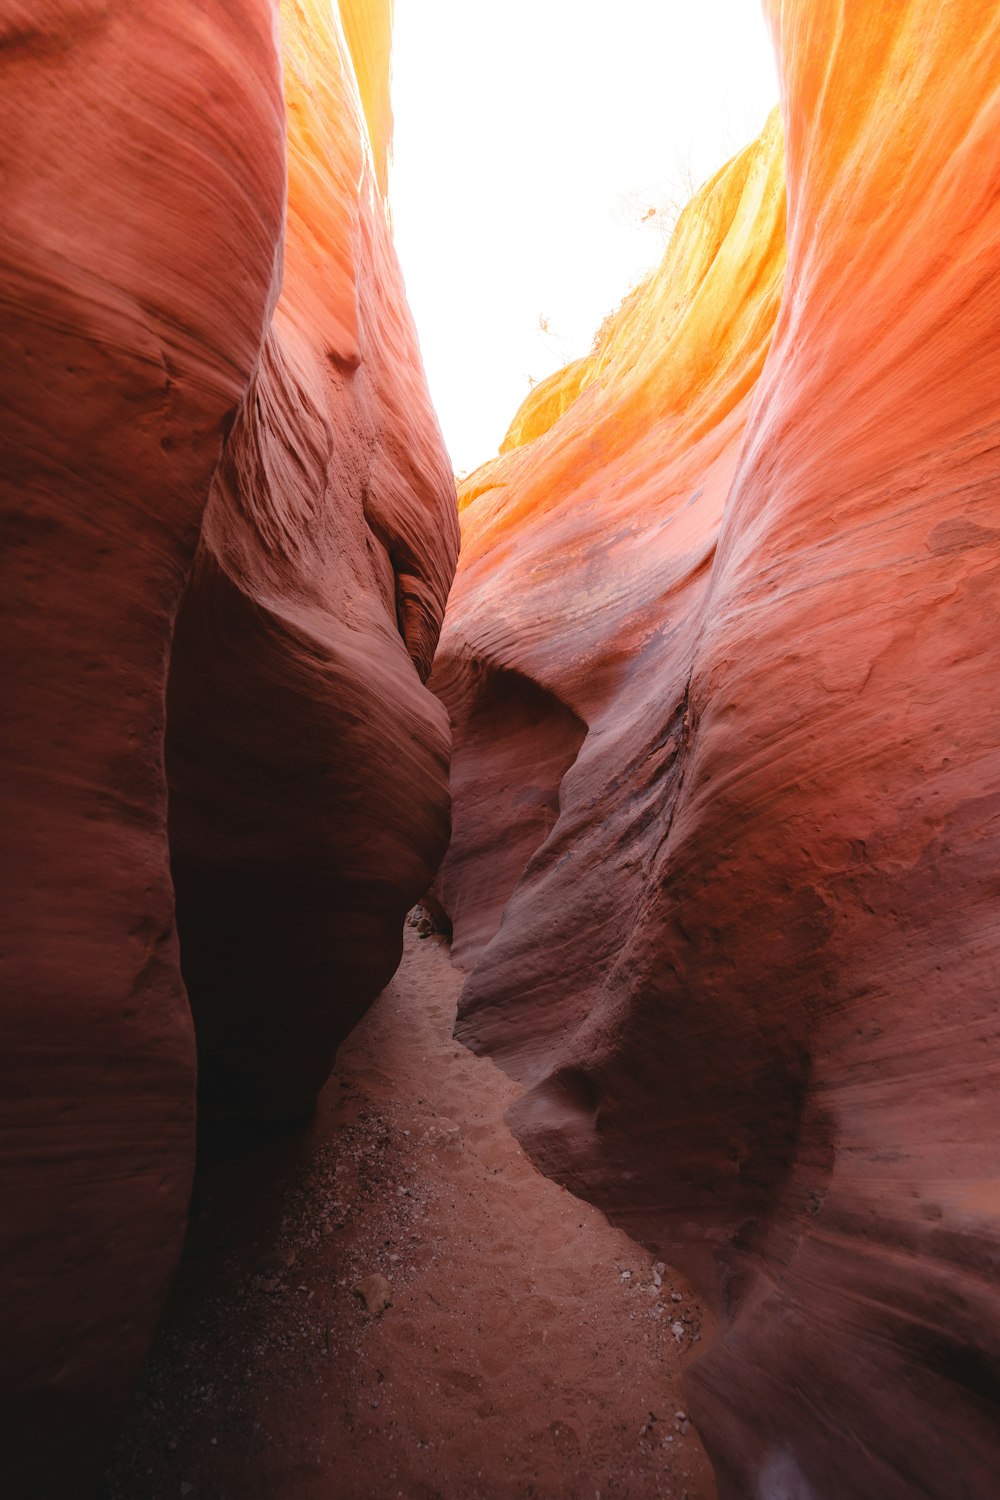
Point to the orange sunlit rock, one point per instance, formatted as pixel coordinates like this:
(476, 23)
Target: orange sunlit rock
(156, 389)
(368, 31)
(748, 958)
(586, 551)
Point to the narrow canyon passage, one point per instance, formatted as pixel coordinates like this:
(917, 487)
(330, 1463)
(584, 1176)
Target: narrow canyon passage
(680, 706)
(529, 1349)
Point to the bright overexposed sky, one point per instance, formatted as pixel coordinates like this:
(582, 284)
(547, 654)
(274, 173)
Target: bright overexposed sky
(531, 138)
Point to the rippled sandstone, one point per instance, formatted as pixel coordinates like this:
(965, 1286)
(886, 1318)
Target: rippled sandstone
(739, 571)
(193, 348)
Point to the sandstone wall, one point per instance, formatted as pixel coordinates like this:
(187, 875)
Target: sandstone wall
(149, 371)
(308, 765)
(748, 973)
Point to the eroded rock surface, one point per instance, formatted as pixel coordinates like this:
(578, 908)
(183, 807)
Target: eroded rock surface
(585, 554)
(143, 251)
(749, 974)
(308, 764)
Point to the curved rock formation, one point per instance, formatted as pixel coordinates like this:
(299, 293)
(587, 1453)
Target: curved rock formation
(584, 554)
(749, 975)
(308, 765)
(143, 249)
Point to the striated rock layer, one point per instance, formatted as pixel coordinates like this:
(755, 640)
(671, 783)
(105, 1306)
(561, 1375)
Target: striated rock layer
(585, 555)
(308, 765)
(747, 965)
(143, 250)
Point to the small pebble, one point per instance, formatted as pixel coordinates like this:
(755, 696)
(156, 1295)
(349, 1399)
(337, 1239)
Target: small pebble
(375, 1294)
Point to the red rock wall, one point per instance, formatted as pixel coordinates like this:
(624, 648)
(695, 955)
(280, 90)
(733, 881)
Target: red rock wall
(584, 555)
(141, 258)
(750, 976)
(308, 764)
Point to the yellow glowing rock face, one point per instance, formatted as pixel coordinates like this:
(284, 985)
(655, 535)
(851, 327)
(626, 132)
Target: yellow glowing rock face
(681, 352)
(368, 31)
(546, 404)
(589, 537)
(692, 335)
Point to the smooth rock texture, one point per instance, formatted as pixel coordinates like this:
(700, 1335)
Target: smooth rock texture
(308, 764)
(749, 973)
(584, 554)
(144, 181)
(143, 249)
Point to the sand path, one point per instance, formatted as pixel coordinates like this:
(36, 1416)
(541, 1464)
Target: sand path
(527, 1350)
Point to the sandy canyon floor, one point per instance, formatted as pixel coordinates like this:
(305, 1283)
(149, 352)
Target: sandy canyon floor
(528, 1349)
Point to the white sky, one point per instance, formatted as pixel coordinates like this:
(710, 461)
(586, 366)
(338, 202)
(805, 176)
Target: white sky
(531, 136)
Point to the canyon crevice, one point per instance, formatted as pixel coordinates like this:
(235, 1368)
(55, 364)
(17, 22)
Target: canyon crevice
(704, 769)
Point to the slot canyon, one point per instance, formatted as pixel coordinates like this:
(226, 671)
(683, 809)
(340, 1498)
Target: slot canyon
(558, 912)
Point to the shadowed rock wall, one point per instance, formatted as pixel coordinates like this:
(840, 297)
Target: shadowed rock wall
(308, 764)
(143, 249)
(749, 977)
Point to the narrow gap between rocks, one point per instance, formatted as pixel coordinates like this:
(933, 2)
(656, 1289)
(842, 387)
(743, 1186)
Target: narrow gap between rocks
(527, 1349)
